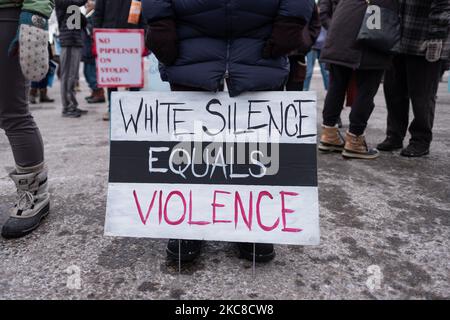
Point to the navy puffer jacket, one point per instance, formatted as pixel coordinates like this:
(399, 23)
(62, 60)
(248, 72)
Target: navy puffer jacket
(219, 39)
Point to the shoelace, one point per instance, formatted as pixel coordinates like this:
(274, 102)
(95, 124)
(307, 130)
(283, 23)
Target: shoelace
(25, 200)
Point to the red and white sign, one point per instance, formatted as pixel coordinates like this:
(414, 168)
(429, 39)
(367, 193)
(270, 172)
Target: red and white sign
(119, 57)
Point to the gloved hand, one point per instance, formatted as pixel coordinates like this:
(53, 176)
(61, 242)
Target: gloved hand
(161, 39)
(31, 43)
(286, 37)
(433, 49)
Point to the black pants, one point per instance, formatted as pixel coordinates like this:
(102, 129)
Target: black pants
(15, 117)
(297, 74)
(368, 82)
(412, 78)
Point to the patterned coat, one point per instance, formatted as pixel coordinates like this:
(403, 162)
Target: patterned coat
(424, 20)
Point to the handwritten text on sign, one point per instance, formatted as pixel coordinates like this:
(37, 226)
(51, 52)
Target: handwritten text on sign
(191, 165)
(119, 57)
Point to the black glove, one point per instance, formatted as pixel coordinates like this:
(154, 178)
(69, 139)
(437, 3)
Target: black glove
(161, 39)
(286, 37)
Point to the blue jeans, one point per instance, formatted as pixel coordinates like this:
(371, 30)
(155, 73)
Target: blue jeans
(311, 58)
(90, 73)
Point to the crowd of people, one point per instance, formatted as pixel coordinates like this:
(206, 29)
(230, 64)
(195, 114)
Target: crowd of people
(245, 46)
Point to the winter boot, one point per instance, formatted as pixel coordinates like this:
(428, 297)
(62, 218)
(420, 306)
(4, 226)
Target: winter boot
(81, 111)
(71, 112)
(356, 147)
(331, 140)
(33, 201)
(390, 144)
(261, 252)
(89, 97)
(44, 98)
(33, 95)
(98, 96)
(414, 150)
(183, 250)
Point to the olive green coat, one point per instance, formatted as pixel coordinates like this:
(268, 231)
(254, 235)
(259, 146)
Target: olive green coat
(42, 7)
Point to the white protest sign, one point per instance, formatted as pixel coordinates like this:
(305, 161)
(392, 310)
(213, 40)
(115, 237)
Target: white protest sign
(205, 166)
(119, 57)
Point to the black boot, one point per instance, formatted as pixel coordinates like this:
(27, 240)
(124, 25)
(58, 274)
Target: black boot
(264, 252)
(44, 98)
(414, 150)
(71, 113)
(89, 97)
(390, 144)
(183, 250)
(81, 111)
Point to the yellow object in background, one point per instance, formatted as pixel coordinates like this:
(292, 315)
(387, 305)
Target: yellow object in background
(135, 12)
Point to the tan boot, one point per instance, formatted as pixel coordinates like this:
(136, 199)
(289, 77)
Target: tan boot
(98, 96)
(331, 140)
(356, 148)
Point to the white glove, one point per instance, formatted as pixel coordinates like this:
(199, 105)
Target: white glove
(433, 49)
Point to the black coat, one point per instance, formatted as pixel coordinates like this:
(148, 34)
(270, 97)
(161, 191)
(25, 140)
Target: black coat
(88, 56)
(327, 8)
(67, 37)
(201, 42)
(341, 47)
(113, 14)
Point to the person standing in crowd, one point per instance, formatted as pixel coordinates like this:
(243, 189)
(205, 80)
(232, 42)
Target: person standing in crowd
(89, 69)
(297, 60)
(200, 51)
(347, 57)
(414, 77)
(71, 50)
(24, 57)
(326, 10)
(311, 59)
(115, 14)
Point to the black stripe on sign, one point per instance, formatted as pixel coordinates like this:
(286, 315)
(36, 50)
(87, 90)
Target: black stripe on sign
(129, 163)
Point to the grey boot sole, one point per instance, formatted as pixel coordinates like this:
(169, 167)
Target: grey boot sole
(37, 219)
(325, 147)
(354, 155)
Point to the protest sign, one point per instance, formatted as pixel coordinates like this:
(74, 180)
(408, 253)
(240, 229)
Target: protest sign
(119, 57)
(190, 165)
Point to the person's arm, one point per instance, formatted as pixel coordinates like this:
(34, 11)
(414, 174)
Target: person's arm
(439, 19)
(99, 13)
(438, 30)
(161, 37)
(293, 16)
(326, 12)
(315, 26)
(41, 7)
